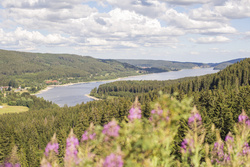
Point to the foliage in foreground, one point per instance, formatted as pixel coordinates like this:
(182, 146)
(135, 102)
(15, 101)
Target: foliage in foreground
(141, 142)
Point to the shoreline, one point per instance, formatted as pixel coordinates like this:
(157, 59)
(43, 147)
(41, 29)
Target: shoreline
(69, 84)
(91, 97)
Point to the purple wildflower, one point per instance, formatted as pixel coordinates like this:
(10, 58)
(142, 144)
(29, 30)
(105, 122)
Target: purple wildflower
(8, 165)
(71, 149)
(187, 144)
(87, 136)
(246, 149)
(134, 113)
(248, 123)
(218, 155)
(111, 129)
(243, 117)
(194, 117)
(51, 147)
(153, 112)
(113, 160)
(46, 165)
(167, 118)
(229, 138)
(158, 114)
(230, 141)
(184, 145)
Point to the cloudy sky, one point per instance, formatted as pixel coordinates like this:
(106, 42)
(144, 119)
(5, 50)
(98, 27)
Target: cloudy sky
(181, 30)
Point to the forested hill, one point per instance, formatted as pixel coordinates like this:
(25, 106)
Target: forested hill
(232, 77)
(223, 65)
(175, 65)
(163, 64)
(31, 68)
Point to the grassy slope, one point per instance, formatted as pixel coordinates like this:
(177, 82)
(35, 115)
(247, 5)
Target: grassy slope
(12, 109)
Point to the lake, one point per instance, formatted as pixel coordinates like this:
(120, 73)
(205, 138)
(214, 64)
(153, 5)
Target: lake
(75, 94)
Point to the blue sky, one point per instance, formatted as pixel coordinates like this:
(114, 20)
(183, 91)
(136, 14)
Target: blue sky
(177, 30)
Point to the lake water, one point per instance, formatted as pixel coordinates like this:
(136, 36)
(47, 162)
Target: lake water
(75, 94)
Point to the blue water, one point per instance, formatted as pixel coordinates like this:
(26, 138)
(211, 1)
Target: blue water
(75, 94)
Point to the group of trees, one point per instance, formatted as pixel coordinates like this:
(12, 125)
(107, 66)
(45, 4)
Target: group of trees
(219, 97)
(16, 99)
(31, 131)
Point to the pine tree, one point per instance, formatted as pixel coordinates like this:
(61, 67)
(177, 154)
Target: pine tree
(23, 157)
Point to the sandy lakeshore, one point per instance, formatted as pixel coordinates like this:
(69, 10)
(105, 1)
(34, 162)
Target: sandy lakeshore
(68, 84)
(91, 97)
(52, 86)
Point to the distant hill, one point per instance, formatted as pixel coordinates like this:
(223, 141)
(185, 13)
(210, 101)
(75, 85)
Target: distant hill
(223, 65)
(175, 65)
(162, 64)
(35, 68)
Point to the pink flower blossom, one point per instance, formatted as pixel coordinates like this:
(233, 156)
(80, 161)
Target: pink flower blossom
(134, 113)
(51, 147)
(71, 149)
(113, 160)
(111, 129)
(195, 117)
(86, 136)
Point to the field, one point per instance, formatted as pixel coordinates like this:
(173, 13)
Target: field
(12, 109)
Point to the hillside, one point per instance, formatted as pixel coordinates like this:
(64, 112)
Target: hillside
(175, 65)
(35, 68)
(162, 64)
(223, 65)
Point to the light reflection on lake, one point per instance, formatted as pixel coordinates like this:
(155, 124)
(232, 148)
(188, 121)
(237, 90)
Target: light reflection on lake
(75, 94)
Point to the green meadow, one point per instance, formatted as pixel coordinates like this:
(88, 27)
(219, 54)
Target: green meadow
(12, 109)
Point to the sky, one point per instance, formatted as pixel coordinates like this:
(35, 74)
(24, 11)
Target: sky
(205, 31)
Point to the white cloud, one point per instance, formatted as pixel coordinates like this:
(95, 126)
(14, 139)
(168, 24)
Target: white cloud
(150, 8)
(130, 24)
(187, 2)
(234, 9)
(202, 26)
(30, 39)
(52, 4)
(247, 35)
(206, 40)
(193, 2)
(205, 13)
